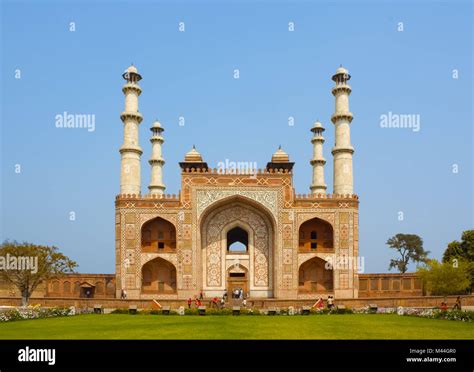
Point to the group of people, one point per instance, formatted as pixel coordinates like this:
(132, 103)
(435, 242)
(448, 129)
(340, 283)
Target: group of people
(319, 304)
(457, 304)
(237, 293)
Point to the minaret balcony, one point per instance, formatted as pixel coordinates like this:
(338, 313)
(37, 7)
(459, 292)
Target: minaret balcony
(131, 115)
(336, 150)
(321, 161)
(341, 88)
(342, 116)
(157, 139)
(156, 161)
(130, 86)
(131, 148)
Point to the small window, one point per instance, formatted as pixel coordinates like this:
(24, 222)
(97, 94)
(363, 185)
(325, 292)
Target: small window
(161, 245)
(237, 275)
(314, 235)
(314, 245)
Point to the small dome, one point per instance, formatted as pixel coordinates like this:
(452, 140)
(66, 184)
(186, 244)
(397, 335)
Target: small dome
(133, 69)
(156, 124)
(341, 70)
(280, 156)
(193, 156)
(317, 125)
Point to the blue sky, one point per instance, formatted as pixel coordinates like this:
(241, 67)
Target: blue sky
(190, 74)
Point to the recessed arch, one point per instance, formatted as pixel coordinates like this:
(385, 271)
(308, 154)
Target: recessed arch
(250, 216)
(158, 277)
(67, 287)
(158, 235)
(314, 276)
(316, 235)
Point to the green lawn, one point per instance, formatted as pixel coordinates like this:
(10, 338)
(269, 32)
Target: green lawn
(349, 326)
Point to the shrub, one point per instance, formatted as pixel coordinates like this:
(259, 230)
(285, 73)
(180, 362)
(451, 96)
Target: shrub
(119, 311)
(33, 313)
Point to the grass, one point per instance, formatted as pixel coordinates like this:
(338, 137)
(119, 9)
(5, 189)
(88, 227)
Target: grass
(349, 326)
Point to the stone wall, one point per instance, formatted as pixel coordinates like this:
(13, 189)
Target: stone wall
(70, 286)
(390, 285)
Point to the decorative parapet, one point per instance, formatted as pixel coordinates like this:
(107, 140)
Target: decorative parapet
(325, 196)
(248, 172)
(165, 197)
(148, 201)
(325, 201)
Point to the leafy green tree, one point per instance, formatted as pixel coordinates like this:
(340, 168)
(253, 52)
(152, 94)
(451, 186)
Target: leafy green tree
(462, 251)
(444, 278)
(410, 248)
(44, 263)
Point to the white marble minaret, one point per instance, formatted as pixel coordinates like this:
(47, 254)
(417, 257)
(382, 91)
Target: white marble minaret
(131, 150)
(343, 150)
(318, 186)
(156, 161)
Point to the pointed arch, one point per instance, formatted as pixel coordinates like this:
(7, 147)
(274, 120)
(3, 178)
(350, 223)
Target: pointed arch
(315, 277)
(158, 277)
(158, 235)
(316, 235)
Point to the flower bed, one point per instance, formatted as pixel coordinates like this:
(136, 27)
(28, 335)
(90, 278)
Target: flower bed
(33, 313)
(464, 316)
(432, 313)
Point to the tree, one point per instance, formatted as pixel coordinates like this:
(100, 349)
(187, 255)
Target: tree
(444, 278)
(26, 265)
(462, 251)
(410, 248)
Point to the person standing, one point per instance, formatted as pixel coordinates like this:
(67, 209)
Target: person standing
(457, 305)
(330, 302)
(189, 302)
